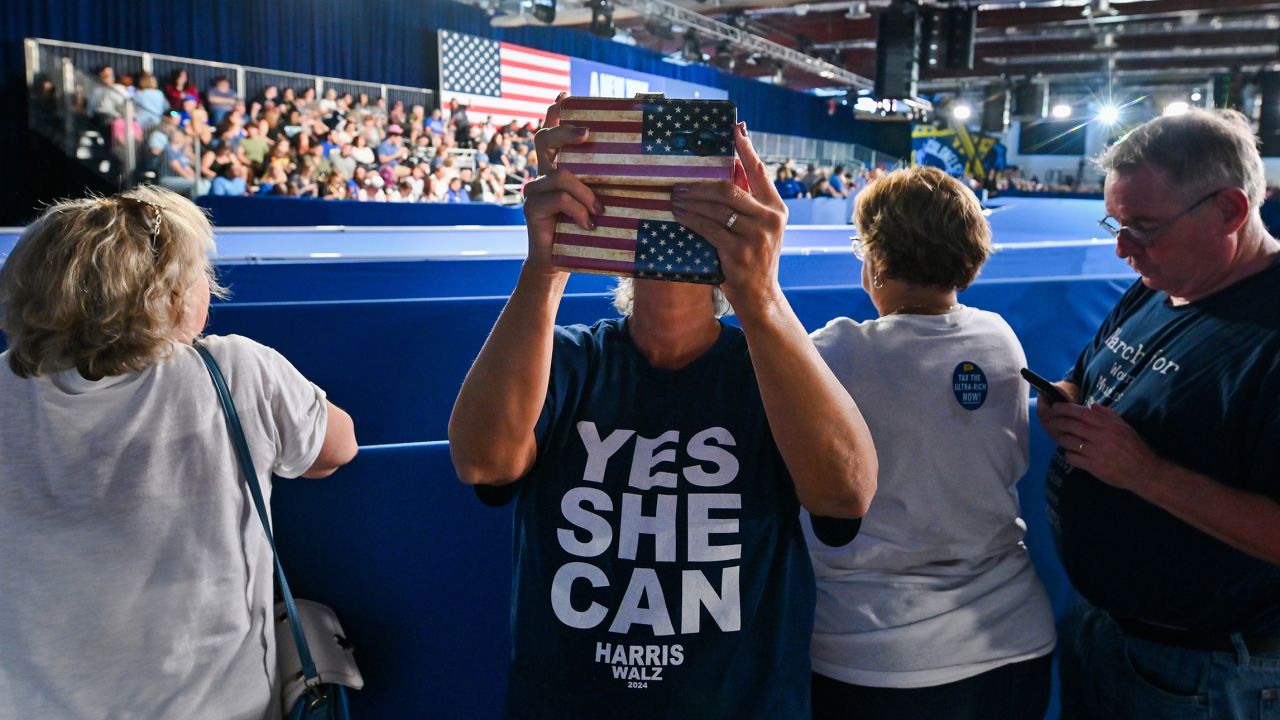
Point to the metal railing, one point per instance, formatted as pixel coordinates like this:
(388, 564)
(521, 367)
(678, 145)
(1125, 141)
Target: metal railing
(106, 131)
(775, 148)
(67, 102)
(61, 86)
(44, 55)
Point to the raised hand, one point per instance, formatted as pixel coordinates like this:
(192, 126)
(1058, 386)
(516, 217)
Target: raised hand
(744, 225)
(556, 192)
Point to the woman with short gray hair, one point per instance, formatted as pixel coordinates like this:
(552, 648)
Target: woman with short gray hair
(935, 610)
(137, 581)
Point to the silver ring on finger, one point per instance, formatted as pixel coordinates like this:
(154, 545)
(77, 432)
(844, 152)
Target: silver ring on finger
(1081, 448)
(733, 218)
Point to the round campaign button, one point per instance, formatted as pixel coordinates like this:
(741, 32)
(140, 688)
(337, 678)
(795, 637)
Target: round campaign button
(969, 384)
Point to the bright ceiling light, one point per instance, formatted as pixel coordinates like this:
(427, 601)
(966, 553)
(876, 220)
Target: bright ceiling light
(1061, 111)
(1108, 115)
(866, 104)
(962, 111)
(1176, 108)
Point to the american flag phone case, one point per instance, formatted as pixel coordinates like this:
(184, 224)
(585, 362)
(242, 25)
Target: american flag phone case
(638, 150)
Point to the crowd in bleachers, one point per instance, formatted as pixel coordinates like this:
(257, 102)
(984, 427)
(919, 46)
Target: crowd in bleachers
(289, 141)
(1012, 178)
(816, 181)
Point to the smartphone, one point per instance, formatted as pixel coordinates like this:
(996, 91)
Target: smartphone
(638, 150)
(1048, 391)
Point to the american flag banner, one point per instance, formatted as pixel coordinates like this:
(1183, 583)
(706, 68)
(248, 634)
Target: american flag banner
(640, 148)
(509, 82)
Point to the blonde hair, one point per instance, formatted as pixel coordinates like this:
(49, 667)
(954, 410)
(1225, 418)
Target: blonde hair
(922, 226)
(624, 298)
(100, 284)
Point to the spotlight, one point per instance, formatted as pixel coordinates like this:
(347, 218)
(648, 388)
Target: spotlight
(723, 58)
(737, 19)
(962, 111)
(1196, 96)
(1176, 108)
(602, 19)
(660, 29)
(545, 10)
(1061, 111)
(692, 48)
(1109, 115)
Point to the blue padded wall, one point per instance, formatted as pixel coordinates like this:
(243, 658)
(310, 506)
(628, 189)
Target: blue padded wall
(292, 211)
(396, 365)
(419, 573)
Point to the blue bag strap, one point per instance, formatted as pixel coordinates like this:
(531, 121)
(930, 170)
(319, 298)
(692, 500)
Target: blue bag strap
(251, 478)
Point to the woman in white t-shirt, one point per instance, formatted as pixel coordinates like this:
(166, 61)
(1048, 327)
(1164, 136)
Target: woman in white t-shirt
(934, 610)
(137, 581)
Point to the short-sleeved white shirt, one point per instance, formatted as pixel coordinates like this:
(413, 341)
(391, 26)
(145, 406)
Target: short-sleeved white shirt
(135, 578)
(937, 586)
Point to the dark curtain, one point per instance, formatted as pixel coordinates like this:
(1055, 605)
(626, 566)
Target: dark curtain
(391, 41)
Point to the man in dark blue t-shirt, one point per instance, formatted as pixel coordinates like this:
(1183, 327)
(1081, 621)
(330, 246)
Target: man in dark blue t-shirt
(1164, 496)
(658, 468)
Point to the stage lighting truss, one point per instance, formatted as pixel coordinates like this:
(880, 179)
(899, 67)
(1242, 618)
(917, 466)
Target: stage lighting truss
(743, 41)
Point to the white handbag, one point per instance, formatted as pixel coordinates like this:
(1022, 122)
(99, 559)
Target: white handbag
(330, 651)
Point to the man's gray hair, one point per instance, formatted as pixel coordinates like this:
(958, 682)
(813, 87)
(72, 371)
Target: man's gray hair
(1200, 150)
(624, 298)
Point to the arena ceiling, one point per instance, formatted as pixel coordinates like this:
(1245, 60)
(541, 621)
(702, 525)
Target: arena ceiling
(1082, 46)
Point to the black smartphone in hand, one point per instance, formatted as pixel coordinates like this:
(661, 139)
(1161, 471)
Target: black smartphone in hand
(1048, 391)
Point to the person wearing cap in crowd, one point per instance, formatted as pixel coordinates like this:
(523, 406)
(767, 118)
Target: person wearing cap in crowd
(392, 151)
(372, 188)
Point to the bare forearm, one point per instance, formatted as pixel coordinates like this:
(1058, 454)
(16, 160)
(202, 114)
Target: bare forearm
(491, 429)
(818, 429)
(1246, 521)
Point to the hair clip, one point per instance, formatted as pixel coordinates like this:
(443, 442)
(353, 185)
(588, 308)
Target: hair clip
(156, 218)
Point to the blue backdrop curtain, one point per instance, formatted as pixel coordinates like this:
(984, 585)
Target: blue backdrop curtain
(391, 41)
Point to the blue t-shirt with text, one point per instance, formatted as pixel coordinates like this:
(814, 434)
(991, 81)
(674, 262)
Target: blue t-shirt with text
(1200, 383)
(660, 566)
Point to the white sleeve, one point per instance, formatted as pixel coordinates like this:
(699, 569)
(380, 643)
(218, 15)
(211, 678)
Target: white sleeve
(277, 400)
(299, 413)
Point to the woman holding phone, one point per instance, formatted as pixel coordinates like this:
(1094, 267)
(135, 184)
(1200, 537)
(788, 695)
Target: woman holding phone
(934, 610)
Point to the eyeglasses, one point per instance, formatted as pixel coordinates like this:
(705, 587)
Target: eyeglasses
(857, 249)
(1145, 238)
